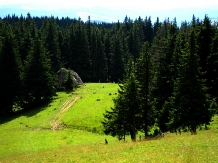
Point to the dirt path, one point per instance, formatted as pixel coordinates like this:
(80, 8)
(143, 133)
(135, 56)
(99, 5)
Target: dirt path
(64, 108)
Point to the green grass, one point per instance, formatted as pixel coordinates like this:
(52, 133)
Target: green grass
(29, 138)
(87, 112)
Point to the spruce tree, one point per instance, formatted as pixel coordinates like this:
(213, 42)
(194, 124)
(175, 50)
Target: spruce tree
(212, 76)
(39, 80)
(50, 35)
(204, 41)
(162, 54)
(109, 55)
(118, 67)
(81, 62)
(10, 79)
(144, 76)
(70, 83)
(189, 103)
(123, 119)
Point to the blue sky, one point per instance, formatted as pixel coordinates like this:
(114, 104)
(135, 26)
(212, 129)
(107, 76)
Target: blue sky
(113, 10)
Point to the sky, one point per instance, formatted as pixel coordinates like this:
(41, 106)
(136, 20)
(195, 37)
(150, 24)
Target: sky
(112, 10)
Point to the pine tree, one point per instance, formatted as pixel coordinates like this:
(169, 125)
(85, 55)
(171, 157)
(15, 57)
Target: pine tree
(123, 118)
(115, 122)
(50, 35)
(39, 79)
(81, 62)
(102, 60)
(212, 68)
(148, 30)
(157, 25)
(189, 103)
(144, 79)
(162, 49)
(118, 67)
(70, 83)
(10, 79)
(204, 41)
(109, 55)
(135, 42)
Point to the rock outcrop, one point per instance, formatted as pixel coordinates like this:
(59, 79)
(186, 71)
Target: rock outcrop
(61, 76)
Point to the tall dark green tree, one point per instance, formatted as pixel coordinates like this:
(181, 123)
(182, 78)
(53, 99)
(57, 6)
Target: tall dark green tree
(70, 83)
(212, 69)
(162, 49)
(102, 60)
(204, 41)
(10, 80)
(189, 102)
(81, 62)
(109, 55)
(144, 77)
(148, 30)
(123, 119)
(50, 34)
(118, 67)
(39, 79)
(135, 42)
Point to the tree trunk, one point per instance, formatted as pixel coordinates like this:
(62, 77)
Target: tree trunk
(193, 130)
(145, 124)
(132, 134)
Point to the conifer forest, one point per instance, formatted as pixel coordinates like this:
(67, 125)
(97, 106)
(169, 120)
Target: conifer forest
(167, 72)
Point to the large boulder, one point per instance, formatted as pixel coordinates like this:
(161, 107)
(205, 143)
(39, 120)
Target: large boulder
(61, 76)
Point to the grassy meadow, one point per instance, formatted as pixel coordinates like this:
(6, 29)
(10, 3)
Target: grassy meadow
(69, 130)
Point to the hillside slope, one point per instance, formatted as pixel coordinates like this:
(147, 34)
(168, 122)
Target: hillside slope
(68, 120)
(69, 130)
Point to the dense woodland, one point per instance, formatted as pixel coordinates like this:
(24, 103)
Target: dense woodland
(168, 73)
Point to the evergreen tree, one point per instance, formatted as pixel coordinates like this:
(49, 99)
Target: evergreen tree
(109, 55)
(212, 76)
(102, 60)
(10, 80)
(70, 83)
(123, 118)
(190, 106)
(39, 80)
(204, 41)
(115, 122)
(144, 79)
(135, 42)
(118, 67)
(81, 62)
(148, 30)
(157, 25)
(162, 49)
(50, 34)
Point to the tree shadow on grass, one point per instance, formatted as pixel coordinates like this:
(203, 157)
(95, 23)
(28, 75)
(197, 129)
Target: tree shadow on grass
(24, 112)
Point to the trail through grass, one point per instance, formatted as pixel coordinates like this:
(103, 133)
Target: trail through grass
(42, 129)
(69, 130)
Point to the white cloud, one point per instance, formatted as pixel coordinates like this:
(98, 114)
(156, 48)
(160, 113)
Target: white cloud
(124, 4)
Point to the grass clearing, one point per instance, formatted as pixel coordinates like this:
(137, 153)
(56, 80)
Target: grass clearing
(29, 137)
(87, 112)
(181, 149)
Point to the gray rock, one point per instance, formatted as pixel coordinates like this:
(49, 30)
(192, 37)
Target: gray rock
(61, 76)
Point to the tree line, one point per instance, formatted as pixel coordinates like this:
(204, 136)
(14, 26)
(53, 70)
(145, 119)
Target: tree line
(171, 86)
(33, 49)
(167, 73)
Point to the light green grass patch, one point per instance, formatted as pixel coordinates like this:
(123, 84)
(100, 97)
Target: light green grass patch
(31, 131)
(87, 112)
(29, 138)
